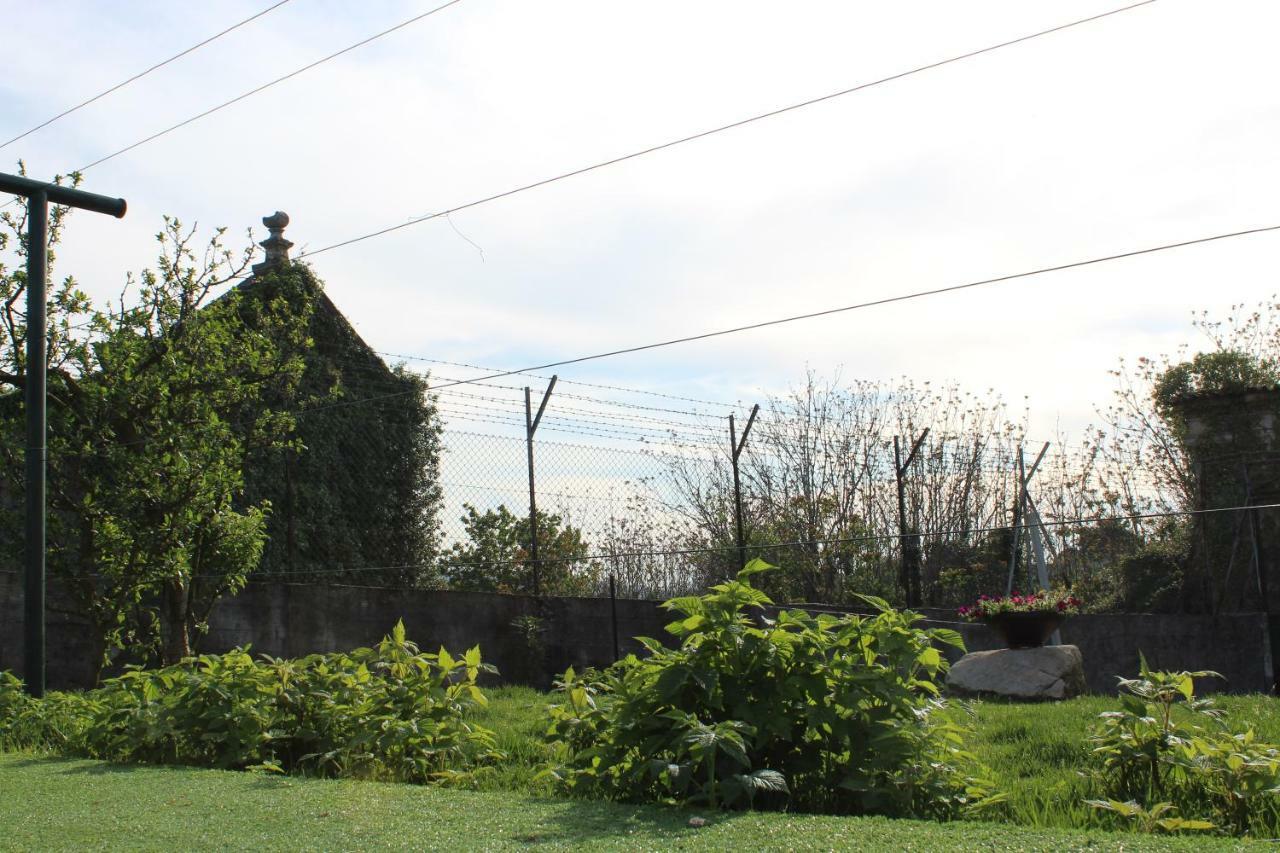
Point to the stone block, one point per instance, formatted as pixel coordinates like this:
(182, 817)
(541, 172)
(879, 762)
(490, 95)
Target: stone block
(1046, 673)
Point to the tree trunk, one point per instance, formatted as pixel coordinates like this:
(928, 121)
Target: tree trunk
(177, 636)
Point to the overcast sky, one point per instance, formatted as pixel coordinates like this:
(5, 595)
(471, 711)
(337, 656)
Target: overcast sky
(1156, 125)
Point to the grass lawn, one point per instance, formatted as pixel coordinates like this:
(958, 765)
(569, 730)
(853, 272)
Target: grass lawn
(58, 804)
(1035, 751)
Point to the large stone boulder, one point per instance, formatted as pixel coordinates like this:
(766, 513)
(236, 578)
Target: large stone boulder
(1049, 672)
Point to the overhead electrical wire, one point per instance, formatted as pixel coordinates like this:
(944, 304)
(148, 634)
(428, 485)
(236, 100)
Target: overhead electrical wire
(622, 388)
(263, 88)
(919, 294)
(724, 127)
(142, 74)
(779, 321)
(271, 83)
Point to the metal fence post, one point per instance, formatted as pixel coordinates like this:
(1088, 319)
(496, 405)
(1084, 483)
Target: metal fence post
(613, 616)
(531, 426)
(735, 452)
(908, 542)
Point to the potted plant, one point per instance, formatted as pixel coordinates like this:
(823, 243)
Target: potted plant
(1024, 621)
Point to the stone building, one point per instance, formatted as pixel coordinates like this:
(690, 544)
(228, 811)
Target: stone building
(1233, 440)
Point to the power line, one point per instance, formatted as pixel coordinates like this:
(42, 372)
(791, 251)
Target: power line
(268, 85)
(142, 74)
(779, 321)
(829, 311)
(359, 366)
(732, 125)
(568, 382)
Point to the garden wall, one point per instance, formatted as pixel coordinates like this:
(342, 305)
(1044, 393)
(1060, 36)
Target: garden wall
(289, 620)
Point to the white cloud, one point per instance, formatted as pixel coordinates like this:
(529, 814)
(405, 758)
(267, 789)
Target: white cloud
(1147, 127)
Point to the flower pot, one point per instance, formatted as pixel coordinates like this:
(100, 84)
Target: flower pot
(1025, 630)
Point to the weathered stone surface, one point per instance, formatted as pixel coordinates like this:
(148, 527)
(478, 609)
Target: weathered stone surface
(1049, 672)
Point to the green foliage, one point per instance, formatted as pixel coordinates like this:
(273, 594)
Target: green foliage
(346, 495)
(1152, 579)
(1155, 751)
(388, 712)
(1134, 743)
(495, 557)
(825, 713)
(962, 570)
(154, 404)
(50, 723)
(1219, 372)
(1159, 818)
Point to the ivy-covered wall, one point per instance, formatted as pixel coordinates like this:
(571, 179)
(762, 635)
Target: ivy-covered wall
(358, 498)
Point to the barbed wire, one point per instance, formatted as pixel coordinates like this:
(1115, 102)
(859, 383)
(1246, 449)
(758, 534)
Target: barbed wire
(752, 546)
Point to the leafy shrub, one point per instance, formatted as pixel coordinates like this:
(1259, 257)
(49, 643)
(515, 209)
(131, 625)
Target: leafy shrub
(1166, 751)
(821, 713)
(1152, 579)
(1160, 818)
(388, 712)
(53, 722)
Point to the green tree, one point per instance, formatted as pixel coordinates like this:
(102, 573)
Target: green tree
(495, 557)
(153, 405)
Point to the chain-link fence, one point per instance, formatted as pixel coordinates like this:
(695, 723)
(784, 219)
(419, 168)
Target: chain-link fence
(638, 489)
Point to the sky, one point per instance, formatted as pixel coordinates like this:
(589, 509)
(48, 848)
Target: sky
(1148, 127)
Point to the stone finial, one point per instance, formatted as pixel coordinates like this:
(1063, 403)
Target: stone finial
(275, 247)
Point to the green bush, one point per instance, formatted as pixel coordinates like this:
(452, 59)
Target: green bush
(1165, 751)
(388, 712)
(818, 713)
(54, 722)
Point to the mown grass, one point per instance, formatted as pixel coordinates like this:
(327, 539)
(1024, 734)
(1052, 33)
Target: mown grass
(1035, 753)
(58, 804)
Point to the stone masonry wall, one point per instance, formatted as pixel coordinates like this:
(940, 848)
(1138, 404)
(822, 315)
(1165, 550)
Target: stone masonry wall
(287, 620)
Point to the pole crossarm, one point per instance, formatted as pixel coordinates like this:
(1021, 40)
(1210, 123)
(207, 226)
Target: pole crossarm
(739, 444)
(1031, 472)
(546, 397)
(911, 457)
(65, 196)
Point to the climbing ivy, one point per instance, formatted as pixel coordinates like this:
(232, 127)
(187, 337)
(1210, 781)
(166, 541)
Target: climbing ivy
(356, 497)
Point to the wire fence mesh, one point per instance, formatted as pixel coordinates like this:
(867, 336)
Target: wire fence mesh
(646, 488)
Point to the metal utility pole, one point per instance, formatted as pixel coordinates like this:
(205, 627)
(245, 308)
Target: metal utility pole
(909, 542)
(1024, 476)
(735, 451)
(531, 422)
(38, 195)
